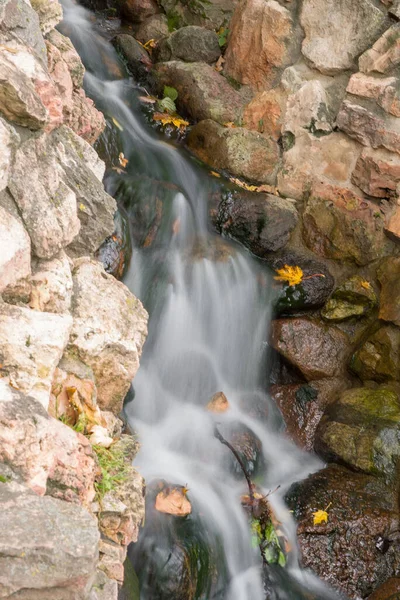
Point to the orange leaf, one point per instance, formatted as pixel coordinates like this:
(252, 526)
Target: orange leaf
(293, 275)
(173, 502)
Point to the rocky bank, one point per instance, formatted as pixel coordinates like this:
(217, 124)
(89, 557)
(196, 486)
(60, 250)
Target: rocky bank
(71, 335)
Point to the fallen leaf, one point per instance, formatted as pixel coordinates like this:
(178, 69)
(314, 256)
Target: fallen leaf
(122, 160)
(215, 174)
(117, 124)
(219, 64)
(242, 184)
(366, 285)
(218, 403)
(173, 502)
(148, 99)
(150, 44)
(230, 125)
(293, 275)
(167, 119)
(321, 516)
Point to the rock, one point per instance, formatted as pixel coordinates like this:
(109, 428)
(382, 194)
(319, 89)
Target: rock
(394, 10)
(316, 350)
(339, 224)
(190, 44)
(377, 173)
(262, 42)
(344, 551)
(378, 359)
(361, 430)
(69, 56)
(392, 226)
(116, 251)
(52, 285)
(109, 330)
(302, 406)
(203, 93)
(384, 55)
(104, 588)
(47, 205)
(389, 278)
(56, 544)
(354, 298)
(19, 21)
(31, 345)
(241, 152)
(137, 11)
(308, 108)
(336, 34)
(50, 14)
(385, 91)
(265, 113)
(48, 456)
(261, 222)
(364, 121)
(84, 118)
(137, 58)
(15, 249)
(309, 160)
(28, 96)
(8, 141)
(212, 14)
(390, 589)
(153, 28)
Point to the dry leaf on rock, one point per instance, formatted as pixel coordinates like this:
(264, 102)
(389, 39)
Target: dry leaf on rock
(321, 516)
(293, 275)
(167, 119)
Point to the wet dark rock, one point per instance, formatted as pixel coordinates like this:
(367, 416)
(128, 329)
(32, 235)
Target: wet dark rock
(389, 278)
(354, 298)
(248, 447)
(362, 430)
(190, 44)
(137, 11)
(390, 590)
(137, 59)
(115, 252)
(302, 406)
(317, 350)
(343, 551)
(379, 356)
(261, 222)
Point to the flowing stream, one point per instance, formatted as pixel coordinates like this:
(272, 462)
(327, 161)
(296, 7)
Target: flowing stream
(210, 306)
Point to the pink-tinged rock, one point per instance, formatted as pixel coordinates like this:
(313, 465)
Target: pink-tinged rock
(328, 159)
(109, 330)
(51, 284)
(69, 56)
(384, 56)
(317, 350)
(336, 33)
(8, 142)
(15, 250)
(84, 118)
(341, 225)
(47, 455)
(366, 122)
(265, 113)
(262, 42)
(31, 345)
(392, 226)
(60, 75)
(384, 91)
(377, 173)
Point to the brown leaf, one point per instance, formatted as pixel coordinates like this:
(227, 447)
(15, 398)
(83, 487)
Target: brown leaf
(173, 502)
(219, 64)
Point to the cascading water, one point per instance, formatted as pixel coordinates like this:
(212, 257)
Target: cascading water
(209, 305)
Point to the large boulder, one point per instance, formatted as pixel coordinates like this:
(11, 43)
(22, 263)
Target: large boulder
(109, 330)
(308, 109)
(203, 93)
(15, 246)
(153, 28)
(190, 44)
(137, 11)
(362, 430)
(261, 222)
(341, 225)
(31, 345)
(384, 56)
(53, 551)
(47, 455)
(385, 91)
(241, 152)
(19, 21)
(379, 356)
(212, 14)
(51, 284)
(389, 278)
(136, 57)
(69, 56)
(316, 350)
(265, 112)
(337, 33)
(377, 172)
(355, 297)
(262, 42)
(344, 551)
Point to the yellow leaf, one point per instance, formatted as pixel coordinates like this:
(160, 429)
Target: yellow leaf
(82, 207)
(167, 119)
(292, 274)
(242, 184)
(117, 124)
(321, 516)
(230, 124)
(366, 285)
(150, 44)
(122, 160)
(215, 174)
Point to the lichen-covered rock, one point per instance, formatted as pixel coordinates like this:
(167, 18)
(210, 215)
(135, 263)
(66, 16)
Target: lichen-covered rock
(239, 151)
(19, 21)
(385, 91)
(377, 172)
(69, 56)
(53, 551)
(384, 56)
(50, 13)
(31, 345)
(369, 124)
(362, 430)
(48, 456)
(190, 44)
(15, 247)
(308, 109)
(378, 359)
(339, 224)
(389, 278)
(212, 14)
(335, 34)
(265, 112)
(51, 284)
(344, 552)
(316, 350)
(302, 406)
(262, 42)
(354, 298)
(309, 160)
(203, 93)
(109, 330)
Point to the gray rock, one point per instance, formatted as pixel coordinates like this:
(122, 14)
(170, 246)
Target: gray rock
(8, 142)
(212, 14)
(53, 550)
(153, 28)
(337, 32)
(384, 56)
(52, 285)
(15, 249)
(308, 108)
(190, 44)
(19, 21)
(137, 58)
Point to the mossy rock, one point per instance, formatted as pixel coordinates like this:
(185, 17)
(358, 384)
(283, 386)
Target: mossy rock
(378, 358)
(354, 298)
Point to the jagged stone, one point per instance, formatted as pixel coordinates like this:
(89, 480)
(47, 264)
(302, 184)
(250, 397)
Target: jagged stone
(50, 13)
(190, 44)
(51, 285)
(377, 172)
(384, 56)
(15, 245)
